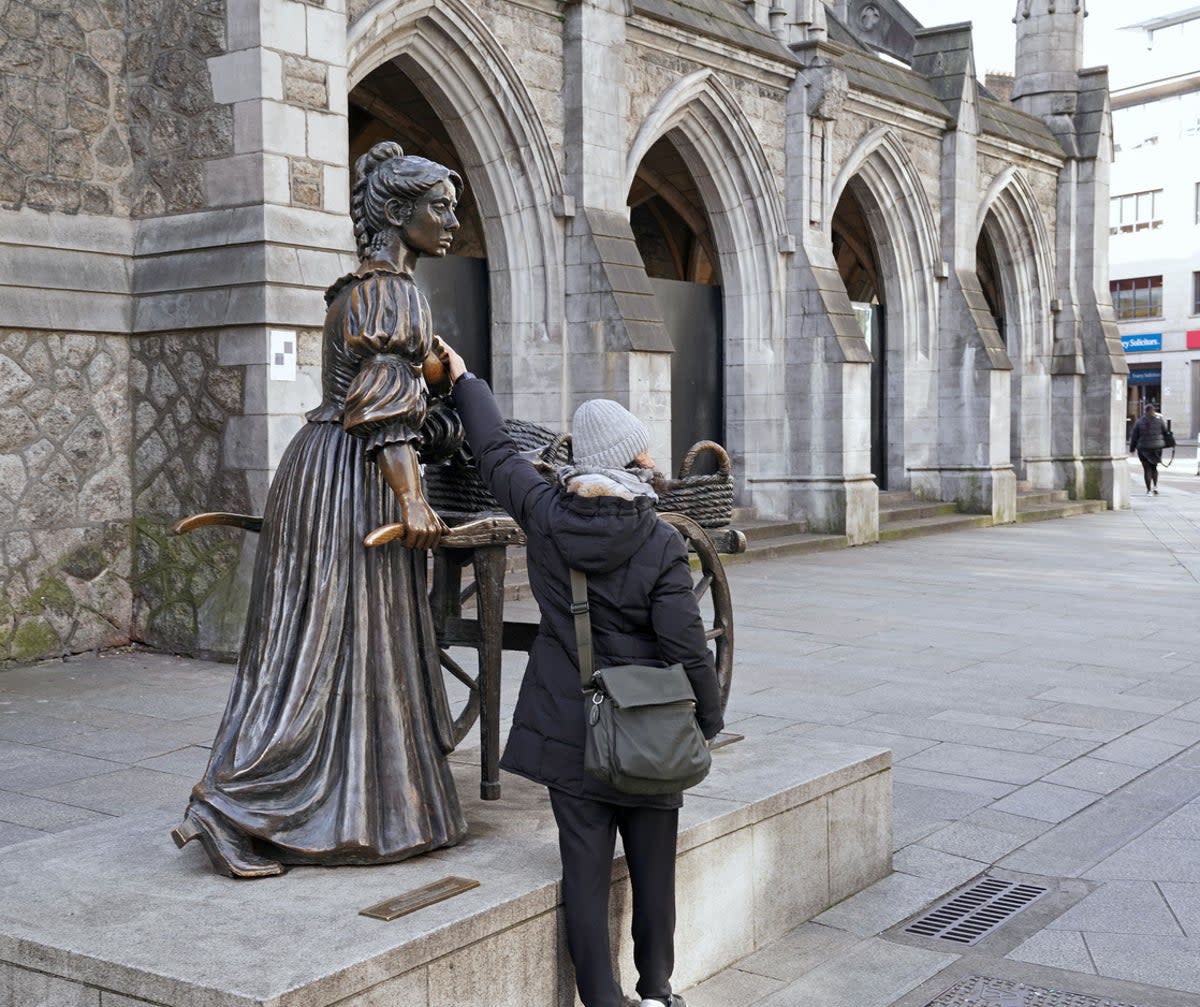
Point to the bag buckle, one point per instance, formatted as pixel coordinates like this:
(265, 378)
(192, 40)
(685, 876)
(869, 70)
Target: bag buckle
(579, 608)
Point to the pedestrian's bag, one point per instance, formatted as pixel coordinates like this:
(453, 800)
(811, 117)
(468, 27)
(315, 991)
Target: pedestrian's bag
(641, 735)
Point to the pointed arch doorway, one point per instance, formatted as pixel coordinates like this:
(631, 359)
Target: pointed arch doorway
(675, 239)
(991, 282)
(858, 266)
(387, 105)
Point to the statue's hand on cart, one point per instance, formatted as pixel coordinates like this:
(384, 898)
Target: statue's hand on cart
(420, 529)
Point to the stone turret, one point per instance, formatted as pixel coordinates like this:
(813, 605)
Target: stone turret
(1049, 55)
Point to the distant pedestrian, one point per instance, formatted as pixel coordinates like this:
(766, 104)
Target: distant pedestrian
(1148, 438)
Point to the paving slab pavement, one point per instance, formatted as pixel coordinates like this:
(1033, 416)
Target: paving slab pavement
(1039, 685)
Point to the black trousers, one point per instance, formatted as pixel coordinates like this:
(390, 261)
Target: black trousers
(1150, 461)
(587, 832)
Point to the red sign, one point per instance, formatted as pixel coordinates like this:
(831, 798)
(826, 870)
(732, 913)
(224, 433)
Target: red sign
(1193, 339)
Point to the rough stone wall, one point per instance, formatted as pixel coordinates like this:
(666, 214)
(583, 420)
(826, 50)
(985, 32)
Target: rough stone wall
(64, 133)
(651, 71)
(181, 398)
(1043, 179)
(533, 41)
(174, 124)
(64, 493)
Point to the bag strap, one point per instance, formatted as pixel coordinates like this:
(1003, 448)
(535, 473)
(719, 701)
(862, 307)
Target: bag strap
(583, 625)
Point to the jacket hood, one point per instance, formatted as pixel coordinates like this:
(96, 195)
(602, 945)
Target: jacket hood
(596, 534)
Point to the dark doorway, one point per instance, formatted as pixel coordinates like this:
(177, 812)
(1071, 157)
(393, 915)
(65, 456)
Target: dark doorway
(858, 265)
(388, 106)
(692, 313)
(457, 290)
(675, 240)
(991, 282)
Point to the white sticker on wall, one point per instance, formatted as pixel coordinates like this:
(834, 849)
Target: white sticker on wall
(282, 354)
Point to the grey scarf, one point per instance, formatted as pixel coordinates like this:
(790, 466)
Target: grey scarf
(628, 484)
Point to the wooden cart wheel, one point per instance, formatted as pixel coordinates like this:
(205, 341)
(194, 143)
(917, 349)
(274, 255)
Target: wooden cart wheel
(465, 719)
(447, 599)
(711, 589)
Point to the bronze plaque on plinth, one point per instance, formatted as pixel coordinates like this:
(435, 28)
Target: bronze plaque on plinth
(419, 898)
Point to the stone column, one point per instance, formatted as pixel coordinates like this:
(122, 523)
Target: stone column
(824, 475)
(285, 76)
(1102, 434)
(1089, 367)
(1049, 53)
(618, 345)
(974, 467)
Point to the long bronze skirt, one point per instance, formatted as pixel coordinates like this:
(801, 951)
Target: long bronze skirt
(333, 744)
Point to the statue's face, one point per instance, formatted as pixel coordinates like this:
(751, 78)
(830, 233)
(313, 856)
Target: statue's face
(430, 228)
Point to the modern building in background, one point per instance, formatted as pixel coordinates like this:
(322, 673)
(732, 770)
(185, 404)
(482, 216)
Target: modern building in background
(1154, 223)
(801, 228)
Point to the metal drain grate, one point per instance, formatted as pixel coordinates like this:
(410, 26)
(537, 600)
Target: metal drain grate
(986, 991)
(971, 915)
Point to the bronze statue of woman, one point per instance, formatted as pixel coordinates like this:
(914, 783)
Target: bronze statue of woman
(333, 745)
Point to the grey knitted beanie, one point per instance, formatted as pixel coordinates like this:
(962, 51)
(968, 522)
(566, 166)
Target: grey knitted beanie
(606, 435)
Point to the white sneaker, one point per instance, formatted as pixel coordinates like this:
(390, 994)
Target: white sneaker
(675, 1001)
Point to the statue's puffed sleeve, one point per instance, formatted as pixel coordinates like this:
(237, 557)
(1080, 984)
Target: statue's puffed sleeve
(388, 326)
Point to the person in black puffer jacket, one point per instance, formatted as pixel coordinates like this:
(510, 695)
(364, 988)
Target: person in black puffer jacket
(1148, 438)
(597, 517)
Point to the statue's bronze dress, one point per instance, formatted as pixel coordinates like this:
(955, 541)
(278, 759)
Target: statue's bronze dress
(334, 739)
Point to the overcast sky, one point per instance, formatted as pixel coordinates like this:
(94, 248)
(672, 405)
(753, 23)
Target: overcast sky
(1124, 52)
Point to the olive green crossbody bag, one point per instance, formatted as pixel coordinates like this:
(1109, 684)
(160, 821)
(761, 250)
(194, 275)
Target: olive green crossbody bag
(640, 730)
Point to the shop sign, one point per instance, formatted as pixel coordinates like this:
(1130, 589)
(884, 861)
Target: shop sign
(1146, 342)
(1145, 375)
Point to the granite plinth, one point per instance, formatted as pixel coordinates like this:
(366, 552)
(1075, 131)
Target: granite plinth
(112, 915)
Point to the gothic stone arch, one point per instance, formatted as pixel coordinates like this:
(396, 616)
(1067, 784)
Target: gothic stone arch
(463, 72)
(1009, 217)
(882, 178)
(712, 133)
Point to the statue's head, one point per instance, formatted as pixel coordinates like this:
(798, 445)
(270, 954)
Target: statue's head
(399, 193)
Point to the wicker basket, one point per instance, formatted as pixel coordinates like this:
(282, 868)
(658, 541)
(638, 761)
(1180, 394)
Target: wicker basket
(706, 499)
(454, 488)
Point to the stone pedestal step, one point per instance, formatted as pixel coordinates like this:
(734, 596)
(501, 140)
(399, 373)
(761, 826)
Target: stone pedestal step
(1034, 498)
(1057, 509)
(111, 912)
(785, 544)
(894, 511)
(757, 529)
(914, 527)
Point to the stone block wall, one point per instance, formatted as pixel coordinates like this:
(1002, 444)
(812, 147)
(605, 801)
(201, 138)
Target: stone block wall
(107, 117)
(188, 595)
(64, 493)
(174, 124)
(533, 40)
(64, 129)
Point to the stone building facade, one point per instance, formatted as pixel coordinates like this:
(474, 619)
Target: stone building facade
(802, 228)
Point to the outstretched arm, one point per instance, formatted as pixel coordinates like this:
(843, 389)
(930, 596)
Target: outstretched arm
(512, 478)
(419, 527)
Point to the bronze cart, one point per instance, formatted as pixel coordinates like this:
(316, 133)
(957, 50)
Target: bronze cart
(483, 542)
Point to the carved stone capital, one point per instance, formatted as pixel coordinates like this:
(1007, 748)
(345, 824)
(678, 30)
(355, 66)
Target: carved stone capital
(827, 89)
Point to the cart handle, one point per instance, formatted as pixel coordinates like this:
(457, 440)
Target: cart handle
(472, 535)
(247, 522)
